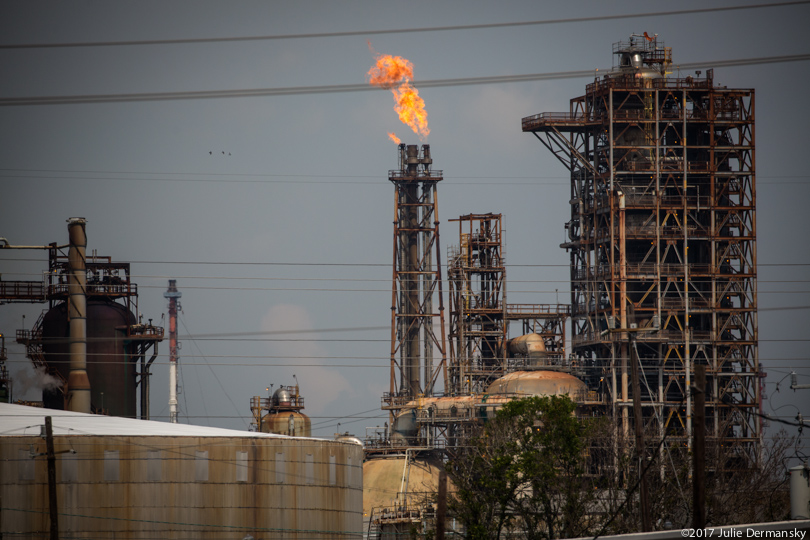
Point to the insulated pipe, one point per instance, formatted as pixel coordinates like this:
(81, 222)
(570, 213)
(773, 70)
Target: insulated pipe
(623, 301)
(527, 345)
(78, 397)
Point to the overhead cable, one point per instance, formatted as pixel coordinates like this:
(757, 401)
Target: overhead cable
(568, 20)
(342, 88)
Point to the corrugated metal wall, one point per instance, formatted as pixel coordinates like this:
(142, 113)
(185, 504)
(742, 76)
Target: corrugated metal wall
(184, 487)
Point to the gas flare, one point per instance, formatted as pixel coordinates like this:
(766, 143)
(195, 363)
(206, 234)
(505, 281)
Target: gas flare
(390, 71)
(395, 74)
(394, 138)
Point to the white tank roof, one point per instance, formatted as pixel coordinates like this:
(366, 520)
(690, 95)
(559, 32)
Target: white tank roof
(18, 420)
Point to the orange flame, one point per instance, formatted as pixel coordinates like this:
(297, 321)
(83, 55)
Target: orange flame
(411, 109)
(394, 138)
(395, 74)
(389, 71)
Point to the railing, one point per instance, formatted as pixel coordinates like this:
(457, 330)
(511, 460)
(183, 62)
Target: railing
(554, 117)
(407, 510)
(145, 331)
(537, 309)
(118, 290)
(395, 400)
(633, 270)
(433, 175)
(22, 291)
(434, 415)
(631, 82)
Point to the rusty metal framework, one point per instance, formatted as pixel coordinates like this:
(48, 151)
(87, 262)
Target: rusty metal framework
(549, 322)
(105, 279)
(663, 237)
(477, 276)
(480, 316)
(417, 278)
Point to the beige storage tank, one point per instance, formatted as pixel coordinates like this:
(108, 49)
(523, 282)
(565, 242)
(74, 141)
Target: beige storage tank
(284, 416)
(294, 424)
(136, 479)
(523, 384)
(537, 383)
(383, 480)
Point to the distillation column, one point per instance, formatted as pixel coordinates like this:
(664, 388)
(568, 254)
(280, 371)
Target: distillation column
(416, 277)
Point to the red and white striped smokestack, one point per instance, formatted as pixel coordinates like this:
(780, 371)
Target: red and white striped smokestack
(172, 294)
(78, 397)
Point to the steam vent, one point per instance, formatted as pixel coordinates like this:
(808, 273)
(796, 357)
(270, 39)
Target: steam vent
(662, 240)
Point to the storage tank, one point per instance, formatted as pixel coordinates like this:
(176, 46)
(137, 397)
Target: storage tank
(291, 423)
(800, 492)
(385, 476)
(523, 384)
(531, 347)
(284, 415)
(127, 478)
(111, 373)
(537, 383)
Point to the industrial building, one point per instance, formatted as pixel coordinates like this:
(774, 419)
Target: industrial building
(662, 246)
(484, 367)
(126, 478)
(107, 475)
(91, 340)
(662, 243)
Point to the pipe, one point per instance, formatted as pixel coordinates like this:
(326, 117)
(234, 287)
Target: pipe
(172, 294)
(78, 397)
(145, 383)
(4, 244)
(623, 301)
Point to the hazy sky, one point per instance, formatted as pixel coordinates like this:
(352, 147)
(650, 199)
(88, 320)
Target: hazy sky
(290, 228)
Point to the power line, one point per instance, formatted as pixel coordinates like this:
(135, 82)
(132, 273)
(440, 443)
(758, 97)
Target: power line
(350, 265)
(222, 387)
(564, 281)
(342, 88)
(569, 20)
(271, 175)
(307, 179)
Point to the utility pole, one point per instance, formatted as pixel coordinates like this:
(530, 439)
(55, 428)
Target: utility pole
(646, 519)
(699, 451)
(51, 478)
(638, 420)
(441, 506)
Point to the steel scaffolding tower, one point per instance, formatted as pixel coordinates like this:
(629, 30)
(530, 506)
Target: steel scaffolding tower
(417, 276)
(663, 239)
(476, 272)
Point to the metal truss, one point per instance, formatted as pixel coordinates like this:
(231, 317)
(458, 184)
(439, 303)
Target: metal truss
(662, 235)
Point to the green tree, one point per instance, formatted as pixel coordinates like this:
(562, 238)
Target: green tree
(525, 471)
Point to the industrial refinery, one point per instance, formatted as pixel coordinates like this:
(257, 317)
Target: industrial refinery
(658, 249)
(662, 246)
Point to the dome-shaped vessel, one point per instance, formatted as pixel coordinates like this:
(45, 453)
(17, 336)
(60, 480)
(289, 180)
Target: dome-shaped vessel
(537, 383)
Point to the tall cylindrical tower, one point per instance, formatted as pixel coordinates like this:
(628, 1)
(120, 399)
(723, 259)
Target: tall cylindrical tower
(78, 397)
(417, 277)
(173, 295)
